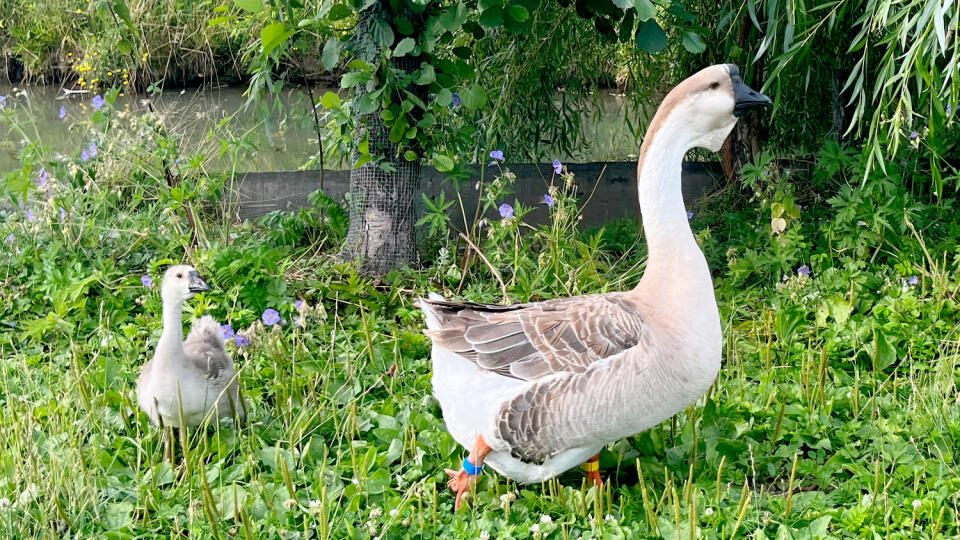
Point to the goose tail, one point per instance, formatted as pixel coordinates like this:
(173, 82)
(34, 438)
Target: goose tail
(430, 315)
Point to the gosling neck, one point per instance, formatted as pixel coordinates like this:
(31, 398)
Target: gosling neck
(171, 338)
(670, 242)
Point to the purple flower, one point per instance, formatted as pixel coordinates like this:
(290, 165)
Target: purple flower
(557, 166)
(43, 178)
(93, 150)
(506, 210)
(548, 200)
(497, 155)
(3, 101)
(241, 340)
(270, 317)
(227, 331)
(803, 270)
(913, 280)
(30, 217)
(799, 207)
(98, 102)
(299, 305)
(84, 155)
(949, 109)
(914, 135)
(11, 237)
(689, 215)
(63, 214)
(456, 100)
(63, 112)
(146, 280)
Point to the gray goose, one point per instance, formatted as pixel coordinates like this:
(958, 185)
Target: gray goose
(189, 380)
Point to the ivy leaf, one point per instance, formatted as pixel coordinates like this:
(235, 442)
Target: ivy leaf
(253, 6)
(692, 42)
(331, 54)
(645, 10)
(650, 37)
(404, 47)
(273, 35)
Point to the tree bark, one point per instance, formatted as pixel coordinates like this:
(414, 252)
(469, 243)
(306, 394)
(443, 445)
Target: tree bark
(382, 203)
(743, 143)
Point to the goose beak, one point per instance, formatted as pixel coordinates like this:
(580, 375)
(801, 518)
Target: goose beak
(197, 285)
(744, 97)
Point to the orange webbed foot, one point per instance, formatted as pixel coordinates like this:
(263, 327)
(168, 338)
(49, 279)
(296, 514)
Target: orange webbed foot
(459, 482)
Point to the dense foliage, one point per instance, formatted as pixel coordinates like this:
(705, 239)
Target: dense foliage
(834, 416)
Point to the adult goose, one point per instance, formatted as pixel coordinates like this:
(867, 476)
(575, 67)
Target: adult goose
(188, 380)
(536, 389)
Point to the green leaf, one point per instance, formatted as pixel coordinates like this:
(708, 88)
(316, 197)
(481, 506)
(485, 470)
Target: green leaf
(623, 4)
(443, 163)
(331, 54)
(404, 47)
(253, 6)
(492, 17)
(474, 97)
(403, 26)
(645, 10)
(444, 98)
(518, 13)
(220, 20)
(410, 155)
(120, 8)
(330, 100)
(692, 43)
(354, 78)
(339, 12)
(273, 35)
(382, 33)
(650, 37)
(427, 75)
(124, 46)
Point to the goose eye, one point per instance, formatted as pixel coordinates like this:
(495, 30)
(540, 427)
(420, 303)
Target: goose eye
(179, 275)
(714, 85)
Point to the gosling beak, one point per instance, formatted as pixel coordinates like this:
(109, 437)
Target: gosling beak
(197, 285)
(744, 97)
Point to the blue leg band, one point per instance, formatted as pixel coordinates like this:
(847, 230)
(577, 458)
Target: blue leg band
(471, 469)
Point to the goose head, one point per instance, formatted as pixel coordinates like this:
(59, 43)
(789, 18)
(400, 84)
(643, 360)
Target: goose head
(708, 104)
(181, 283)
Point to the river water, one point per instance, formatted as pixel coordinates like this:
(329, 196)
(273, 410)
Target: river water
(285, 142)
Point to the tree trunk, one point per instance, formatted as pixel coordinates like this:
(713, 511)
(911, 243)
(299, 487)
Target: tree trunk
(382, 203)
(743, 143)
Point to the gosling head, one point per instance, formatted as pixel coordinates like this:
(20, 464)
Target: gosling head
(708, 104)
(181, 283)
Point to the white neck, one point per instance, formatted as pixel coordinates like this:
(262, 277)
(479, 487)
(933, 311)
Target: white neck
(171, 338)
(670, 242)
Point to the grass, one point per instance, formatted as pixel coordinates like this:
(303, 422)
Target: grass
(835, 414)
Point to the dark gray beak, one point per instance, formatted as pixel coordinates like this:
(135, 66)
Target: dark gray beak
(197, 285)
(744, 97)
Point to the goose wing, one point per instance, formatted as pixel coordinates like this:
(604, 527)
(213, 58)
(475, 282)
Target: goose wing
(532, 341)
(585, 358)
(204, 349)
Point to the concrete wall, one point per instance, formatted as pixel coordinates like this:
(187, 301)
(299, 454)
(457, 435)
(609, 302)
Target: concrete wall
(606, 190)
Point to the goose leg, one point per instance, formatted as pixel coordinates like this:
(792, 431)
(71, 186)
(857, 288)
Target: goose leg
(461, 481)
(592, 469)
